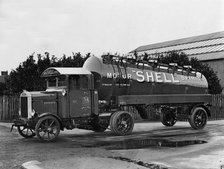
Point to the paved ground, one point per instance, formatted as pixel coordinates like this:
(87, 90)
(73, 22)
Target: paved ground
(150, 146)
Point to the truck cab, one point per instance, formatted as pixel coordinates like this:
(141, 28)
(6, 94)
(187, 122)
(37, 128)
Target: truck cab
(70, 101)
(76, 87)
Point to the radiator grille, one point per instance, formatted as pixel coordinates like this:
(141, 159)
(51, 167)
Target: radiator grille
(24, 107)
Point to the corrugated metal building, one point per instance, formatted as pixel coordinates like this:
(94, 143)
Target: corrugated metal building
(208, 48)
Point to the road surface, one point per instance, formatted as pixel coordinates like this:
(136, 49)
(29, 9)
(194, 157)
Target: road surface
(151, 145)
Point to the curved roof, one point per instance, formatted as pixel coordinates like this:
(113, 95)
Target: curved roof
(203, 47)
(194, 39)
(56, 71)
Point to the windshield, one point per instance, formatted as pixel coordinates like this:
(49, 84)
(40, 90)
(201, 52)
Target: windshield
(56, 81)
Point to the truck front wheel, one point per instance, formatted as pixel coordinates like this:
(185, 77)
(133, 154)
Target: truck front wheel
(198, 118)
(47, 128)
(122, 123)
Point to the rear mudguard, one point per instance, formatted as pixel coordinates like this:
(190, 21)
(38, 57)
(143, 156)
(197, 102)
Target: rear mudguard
(201, 105)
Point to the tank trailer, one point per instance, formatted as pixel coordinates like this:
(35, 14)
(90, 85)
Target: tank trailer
(103, 92)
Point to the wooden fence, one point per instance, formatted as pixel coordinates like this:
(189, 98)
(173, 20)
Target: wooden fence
(9, 107)
(217, 108)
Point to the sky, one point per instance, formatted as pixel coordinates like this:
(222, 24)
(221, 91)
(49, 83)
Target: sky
(98, 26)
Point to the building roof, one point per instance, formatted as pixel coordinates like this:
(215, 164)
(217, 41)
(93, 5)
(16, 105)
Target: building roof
(209, 56)
(55, 71)
(204, 47)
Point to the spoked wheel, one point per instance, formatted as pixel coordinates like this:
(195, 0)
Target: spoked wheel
(26, 131)
(121, 123)
(168, 118)
(47, 128)
(198, 118)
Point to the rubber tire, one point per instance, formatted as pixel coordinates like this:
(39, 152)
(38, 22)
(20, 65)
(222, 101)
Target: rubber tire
(192, 118)
(113, 123)
(57, 124)
(163, 119)
(26, 135)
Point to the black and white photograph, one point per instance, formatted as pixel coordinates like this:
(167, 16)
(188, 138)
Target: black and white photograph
(112, 84)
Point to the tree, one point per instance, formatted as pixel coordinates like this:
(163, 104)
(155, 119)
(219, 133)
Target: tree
(24, 77)
(2, 88)
(181, 59)
(28, 74)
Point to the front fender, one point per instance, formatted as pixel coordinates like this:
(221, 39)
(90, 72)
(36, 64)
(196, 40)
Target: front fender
(54, 115)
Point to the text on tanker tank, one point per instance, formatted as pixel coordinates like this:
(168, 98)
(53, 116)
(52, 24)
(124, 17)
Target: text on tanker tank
(155, 77)
(151, 76)
(117, 75)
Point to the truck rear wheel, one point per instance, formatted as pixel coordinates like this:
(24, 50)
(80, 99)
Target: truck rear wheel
(47, 128)
(198, 118)
(122, 123)
(168, 118)
(26, 131)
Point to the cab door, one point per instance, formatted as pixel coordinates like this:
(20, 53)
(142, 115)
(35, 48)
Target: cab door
(80, 95)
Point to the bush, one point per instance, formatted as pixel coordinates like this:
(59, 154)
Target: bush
(182, 59)
(27, 74)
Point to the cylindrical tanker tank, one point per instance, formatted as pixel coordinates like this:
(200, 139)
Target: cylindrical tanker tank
(121, 78)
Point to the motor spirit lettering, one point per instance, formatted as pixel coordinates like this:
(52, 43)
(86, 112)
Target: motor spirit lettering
(117, 75)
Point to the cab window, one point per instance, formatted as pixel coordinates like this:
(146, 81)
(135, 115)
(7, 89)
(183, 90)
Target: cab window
(97, 80)
(61, 81)
(56, 81)
(75, 82)
(84, 82)
(79, 82)
(52, 82)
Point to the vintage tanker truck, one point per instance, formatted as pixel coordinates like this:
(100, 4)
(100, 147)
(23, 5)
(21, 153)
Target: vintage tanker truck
(103, 92)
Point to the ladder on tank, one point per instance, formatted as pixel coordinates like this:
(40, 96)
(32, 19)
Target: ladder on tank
(149, 64)
(119, 64)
